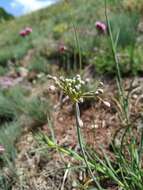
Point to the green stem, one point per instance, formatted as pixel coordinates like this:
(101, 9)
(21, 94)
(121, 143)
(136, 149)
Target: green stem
(119, 78)
(76, 40)
(78, 46)
(77, 114)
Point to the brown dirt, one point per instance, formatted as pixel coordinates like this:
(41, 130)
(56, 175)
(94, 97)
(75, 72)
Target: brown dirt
(43, 171)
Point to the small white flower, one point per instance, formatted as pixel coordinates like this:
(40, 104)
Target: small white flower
(73, 80)
(70, 89)
(67, 80)
(61, 78)
(96, 93)
(82, 82)
(100, 90)
(78, 76)
(52, 88)
(87, 80)
(77, 87)
(81, 100)
(101, 83)
(74, 91)
(54, 78)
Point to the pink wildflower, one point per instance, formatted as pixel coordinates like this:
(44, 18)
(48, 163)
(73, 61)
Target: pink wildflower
(101, 27)
(2, 149)
(28, 30)
(62, 48)
(25, 32)
(22, 33)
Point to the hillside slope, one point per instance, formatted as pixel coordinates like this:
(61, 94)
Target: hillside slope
(54, 25)
(38, 138)
(4, 15)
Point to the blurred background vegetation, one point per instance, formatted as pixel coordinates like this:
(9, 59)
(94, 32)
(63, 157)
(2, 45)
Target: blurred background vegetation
(54, 25)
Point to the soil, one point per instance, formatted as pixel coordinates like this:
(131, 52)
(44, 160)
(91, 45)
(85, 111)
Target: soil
(45, 170)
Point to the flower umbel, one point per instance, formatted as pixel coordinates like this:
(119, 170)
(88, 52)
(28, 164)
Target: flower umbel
(75, 88)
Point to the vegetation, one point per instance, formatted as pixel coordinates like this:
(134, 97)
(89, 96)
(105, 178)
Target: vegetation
(4, 15)
(53, 26)
(71, 97)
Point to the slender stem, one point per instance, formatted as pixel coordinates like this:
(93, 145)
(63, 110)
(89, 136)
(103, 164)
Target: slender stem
(119, 78)
(76, 40)
(78, 46)
(77, 114)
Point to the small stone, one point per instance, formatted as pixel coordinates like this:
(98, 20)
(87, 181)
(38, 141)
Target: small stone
(40, 75)
(61, 119)
(29, 139)
(135, 96)
(23, 72)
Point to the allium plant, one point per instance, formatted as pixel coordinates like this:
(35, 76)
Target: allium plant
(75, 89)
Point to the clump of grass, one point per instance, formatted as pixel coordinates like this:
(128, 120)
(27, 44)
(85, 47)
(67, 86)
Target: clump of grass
(7, 111)
(128, 25)
(39, 65)
(9, 133)
(38, 110)
(3, 70)
(16, 102)
(17, 97)
(124, 171)
(34, 107)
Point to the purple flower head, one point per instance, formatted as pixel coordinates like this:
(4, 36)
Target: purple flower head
(25, 32)
(28, 30)
(101, 27)
(2, 149)
(22, 33)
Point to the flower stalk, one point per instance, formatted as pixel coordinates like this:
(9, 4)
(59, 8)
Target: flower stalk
(80, 141)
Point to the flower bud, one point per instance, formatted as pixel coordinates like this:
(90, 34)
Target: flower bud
(107, 104)
(80, 122)
(100, 90)
(52, 89)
